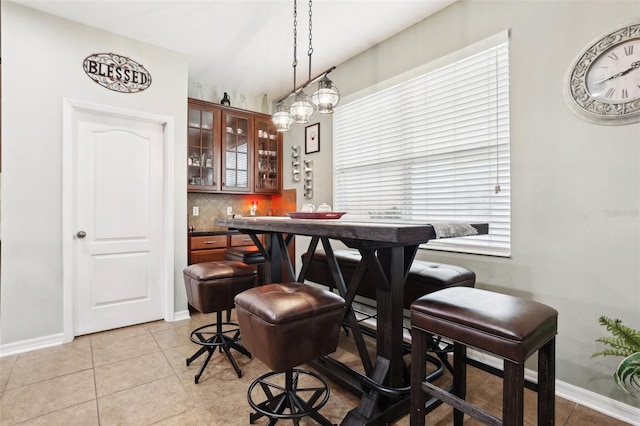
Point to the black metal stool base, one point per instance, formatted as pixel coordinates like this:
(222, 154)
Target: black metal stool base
(212, 336)
(287, 401)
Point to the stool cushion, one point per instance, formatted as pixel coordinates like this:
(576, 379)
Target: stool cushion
(211, 286)
(246, 254)
(287, 324)
(424, 277)
(510, 327)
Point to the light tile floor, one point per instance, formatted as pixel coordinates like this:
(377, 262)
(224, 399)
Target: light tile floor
(138, 376)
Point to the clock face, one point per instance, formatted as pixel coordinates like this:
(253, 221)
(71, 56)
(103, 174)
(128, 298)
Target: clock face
(603, 84)
(615, 75)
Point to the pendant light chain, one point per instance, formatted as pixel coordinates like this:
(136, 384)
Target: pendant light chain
(310, 52)
(295, 41)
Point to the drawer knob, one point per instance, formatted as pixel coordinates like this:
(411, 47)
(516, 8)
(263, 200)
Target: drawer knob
(81, 234)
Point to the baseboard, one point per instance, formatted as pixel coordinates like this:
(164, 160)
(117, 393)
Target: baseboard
(595, 401)
(22, 346)
(181, 315)
(44, 342)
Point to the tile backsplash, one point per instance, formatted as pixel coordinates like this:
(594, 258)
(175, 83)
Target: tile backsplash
(212, 206)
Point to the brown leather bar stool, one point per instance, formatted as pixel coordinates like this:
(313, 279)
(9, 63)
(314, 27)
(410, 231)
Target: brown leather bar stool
(507, 327)
(285, 325)
(211, 287)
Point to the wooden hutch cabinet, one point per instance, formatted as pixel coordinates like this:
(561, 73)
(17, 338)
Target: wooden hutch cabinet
(232, 150)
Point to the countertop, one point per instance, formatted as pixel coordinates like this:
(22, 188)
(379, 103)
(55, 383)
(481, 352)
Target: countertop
(214, 230)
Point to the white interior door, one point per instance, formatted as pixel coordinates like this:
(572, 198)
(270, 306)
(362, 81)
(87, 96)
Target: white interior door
(118, 273)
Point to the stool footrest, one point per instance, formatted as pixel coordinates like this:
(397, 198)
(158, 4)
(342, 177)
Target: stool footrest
(287, 402)
(460, 404)
(215, 336)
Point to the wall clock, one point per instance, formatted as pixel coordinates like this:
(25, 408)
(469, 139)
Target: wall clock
(603, 83)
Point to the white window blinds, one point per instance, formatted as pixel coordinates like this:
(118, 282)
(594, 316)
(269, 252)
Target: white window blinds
(432, 148)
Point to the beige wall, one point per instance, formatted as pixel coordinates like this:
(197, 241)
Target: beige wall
(575, 185)
(42, 65)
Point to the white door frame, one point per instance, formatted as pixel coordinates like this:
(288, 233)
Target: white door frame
(70, 108)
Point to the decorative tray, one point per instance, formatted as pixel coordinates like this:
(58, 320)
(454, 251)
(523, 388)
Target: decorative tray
(315, 215)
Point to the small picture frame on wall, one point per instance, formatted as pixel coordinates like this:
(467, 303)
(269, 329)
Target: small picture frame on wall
(312, 138)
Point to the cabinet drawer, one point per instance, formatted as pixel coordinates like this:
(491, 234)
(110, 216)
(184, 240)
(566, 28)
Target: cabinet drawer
(209, 242)
(200, 256)
(243, 240)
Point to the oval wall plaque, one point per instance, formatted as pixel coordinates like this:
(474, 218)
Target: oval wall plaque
(117, 72)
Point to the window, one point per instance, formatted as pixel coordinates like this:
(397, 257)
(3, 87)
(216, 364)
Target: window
(434, 147)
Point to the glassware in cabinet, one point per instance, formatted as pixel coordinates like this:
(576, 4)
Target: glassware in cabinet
(202, 156)
(268, 157)
(237, 152)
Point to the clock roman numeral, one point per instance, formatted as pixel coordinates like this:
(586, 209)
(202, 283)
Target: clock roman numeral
(609, 93)
(628, 50)
(613, 56)
(625, 94)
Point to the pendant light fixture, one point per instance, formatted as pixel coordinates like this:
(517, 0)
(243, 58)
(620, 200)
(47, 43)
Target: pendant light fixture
(281, 118)
(326, 97)
(304, 107)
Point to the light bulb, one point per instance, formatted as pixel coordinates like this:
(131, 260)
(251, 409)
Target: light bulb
(302, 110)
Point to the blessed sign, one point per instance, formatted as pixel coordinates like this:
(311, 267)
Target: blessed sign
(117, 72)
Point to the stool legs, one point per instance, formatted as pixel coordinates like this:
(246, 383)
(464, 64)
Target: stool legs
(547, 383)
(513, 387)
(459, 379)
(513, 394)
(210, 340)
(418, 372)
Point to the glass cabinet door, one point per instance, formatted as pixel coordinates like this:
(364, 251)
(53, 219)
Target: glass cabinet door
(202, 157)
(267, 153)
(237, 153)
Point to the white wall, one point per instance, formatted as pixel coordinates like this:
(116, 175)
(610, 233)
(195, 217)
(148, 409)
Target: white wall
(575, 185)
(42, 60)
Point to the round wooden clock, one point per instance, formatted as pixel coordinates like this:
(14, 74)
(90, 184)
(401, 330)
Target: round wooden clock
(603, 82)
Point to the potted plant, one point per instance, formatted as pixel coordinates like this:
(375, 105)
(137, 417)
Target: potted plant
(625, 342)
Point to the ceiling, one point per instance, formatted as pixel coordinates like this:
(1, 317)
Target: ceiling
(246, 46)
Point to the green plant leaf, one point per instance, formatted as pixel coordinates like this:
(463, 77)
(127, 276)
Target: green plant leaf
(625, 340)
(627, 375)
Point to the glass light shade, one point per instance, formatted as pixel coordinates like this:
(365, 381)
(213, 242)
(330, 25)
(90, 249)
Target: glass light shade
(302, 110)
(281, 118)
(326, 97)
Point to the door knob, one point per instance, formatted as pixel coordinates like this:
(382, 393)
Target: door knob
(81, 234)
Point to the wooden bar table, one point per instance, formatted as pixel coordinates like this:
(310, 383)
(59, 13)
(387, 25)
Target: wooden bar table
(386, 248)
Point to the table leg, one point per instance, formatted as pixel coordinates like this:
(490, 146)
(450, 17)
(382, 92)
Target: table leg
(282, 245)
(348, 293)
(395, 262)
(391, 266)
